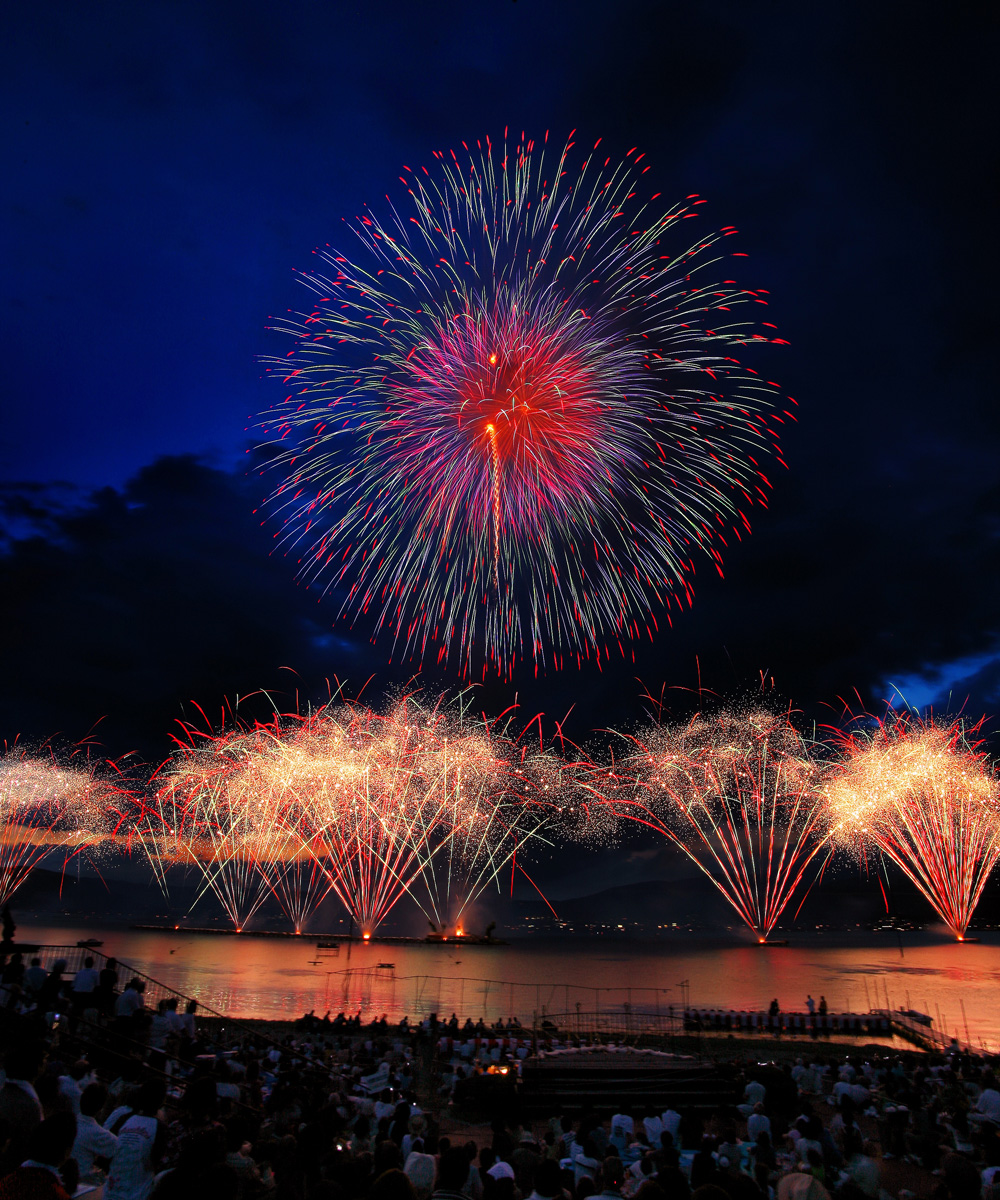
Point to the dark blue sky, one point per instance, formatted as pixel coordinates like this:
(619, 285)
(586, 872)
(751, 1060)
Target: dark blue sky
(167, 165)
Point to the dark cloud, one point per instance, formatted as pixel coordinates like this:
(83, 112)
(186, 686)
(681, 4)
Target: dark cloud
(141, 602)
(170, 163)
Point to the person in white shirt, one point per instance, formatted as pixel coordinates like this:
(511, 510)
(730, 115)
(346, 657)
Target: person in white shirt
(140, 1146)
(384, 1106)
(757, 1123)
(159, 1028)
(92, 1142)
(86, 979)
(988, 1105)
(586, 1164)
(175, 1022)
(753, 1093)
(71, 1084)
(623, 1121)
(129, 1001)
(622, 1130)
(225, 1087)
(671, 1122)
(653, 1126)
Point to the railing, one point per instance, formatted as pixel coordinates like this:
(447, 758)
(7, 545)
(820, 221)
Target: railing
(373, 988)
(227, 1031)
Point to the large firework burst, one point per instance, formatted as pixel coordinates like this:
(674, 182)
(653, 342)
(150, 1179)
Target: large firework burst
(515, 422)
(923, 792)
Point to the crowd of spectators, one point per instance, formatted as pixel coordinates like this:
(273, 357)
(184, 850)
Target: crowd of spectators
(101, 1093)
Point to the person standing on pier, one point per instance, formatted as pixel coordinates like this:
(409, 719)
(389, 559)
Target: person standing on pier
(811, 1005)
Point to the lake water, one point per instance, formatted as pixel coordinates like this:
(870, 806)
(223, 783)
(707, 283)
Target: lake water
(248, 976)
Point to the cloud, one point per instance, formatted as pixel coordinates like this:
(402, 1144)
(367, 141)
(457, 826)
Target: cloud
(135, 603)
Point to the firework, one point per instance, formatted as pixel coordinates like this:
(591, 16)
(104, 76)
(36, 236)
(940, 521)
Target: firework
(217, 813)
(47, 808)
(737, 794)
(923, 793)
(515, 422)
(420, 801)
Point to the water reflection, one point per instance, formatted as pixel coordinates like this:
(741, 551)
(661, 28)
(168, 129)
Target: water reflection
(283, 977)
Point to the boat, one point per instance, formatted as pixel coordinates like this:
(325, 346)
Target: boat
(328, 945)
(386, 966)
(90, 943)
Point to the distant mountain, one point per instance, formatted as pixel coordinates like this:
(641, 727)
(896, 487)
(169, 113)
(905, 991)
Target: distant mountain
(843, 898)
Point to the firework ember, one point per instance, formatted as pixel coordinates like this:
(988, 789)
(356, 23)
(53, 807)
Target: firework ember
(422, 801)
(736, 793)
(46, 809)
(515, 422)
(924, 794)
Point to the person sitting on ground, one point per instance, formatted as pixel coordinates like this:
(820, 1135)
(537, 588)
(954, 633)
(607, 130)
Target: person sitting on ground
(703, 1166)
(754, 1093)
(452, 1176)
(141, 1142)
(525, 1159)
(652, 1124)
(548, 1182)
(20, 1107)
(612, 1177)
(94, 1147)
(421, 1170)
(586, 1164)
(988, 1105)
(38, 1177)
(72, 1083)
(392, 1185)
(671, 1119)
(669, 1175)
(863, 1173)
(757, 1123)
(622, 1127)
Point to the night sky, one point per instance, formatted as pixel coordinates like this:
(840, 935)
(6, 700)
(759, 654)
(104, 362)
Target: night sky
(168, 164)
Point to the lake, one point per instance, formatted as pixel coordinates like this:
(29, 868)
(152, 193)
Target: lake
(279, 978)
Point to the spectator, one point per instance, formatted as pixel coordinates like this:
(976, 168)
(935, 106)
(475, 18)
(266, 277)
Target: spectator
(38, 1177)
(93, 1143)
(453, 1174)
(758, 1122)
(20, 1107)
(34, 977)
(140, 1147)
(86, 980)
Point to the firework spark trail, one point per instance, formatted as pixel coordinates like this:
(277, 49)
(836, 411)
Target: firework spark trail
(923, 793)
(438, 815)
(515, 423)
(489, 797)
(420, 800)
(47, 808)
(737, 795)
(211, 814)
